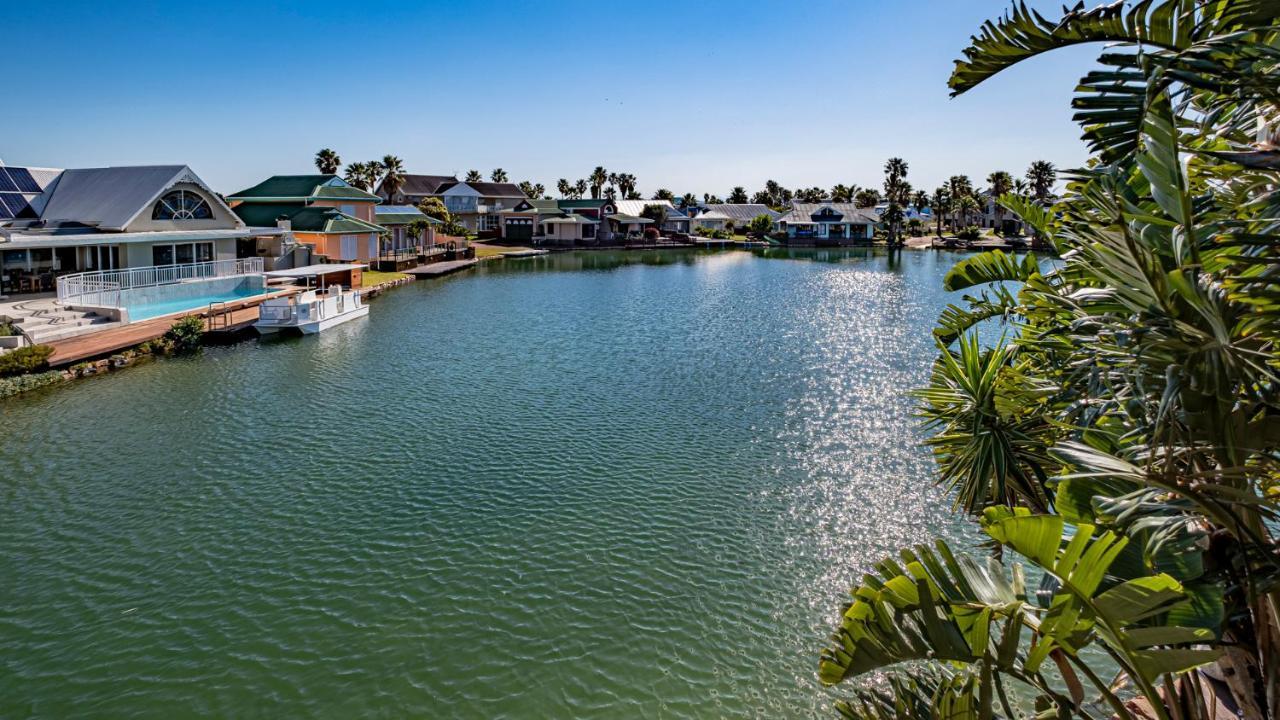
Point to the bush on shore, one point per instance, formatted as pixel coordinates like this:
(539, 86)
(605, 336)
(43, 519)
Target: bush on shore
(22, 383)
(27, 359)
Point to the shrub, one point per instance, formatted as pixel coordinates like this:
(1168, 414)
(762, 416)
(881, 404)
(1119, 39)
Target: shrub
(761, 224)
(186, 334)
(23, 383)
(701, 231)
(7, 329)
(972, 232)
(650, 234)
(25, 359)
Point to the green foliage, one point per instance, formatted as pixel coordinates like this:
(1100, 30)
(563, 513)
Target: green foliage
(760, 224)
(26, 359)
(7, 329)
(186, 335)
(23, 383)
(1123, 435)
(970, 232)
(655, 212)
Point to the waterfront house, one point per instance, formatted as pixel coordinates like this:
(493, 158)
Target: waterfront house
(402, 243)
(86, 219)
(828, 224)
(559, 222)
(414, 189)
(322, 211)
(478, 206)
(675, 222)
(732, 216)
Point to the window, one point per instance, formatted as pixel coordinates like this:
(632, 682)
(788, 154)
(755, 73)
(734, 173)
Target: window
(348, 249)
(161, 254)
(204, 252)
(181, 205)
(347, 210)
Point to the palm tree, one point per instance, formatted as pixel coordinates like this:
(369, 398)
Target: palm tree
(357, 175)
(1115, 435)
(498, 175)
(843, 193)
(867, 198)
(610, 193)
(597, 180)
(393, 180)
(958, 187)
(664, 194)
(474, 176)
(328, 162)
(688, 200)
(738, 196)
(999, 183)
(940, 201)
(564, 187)
(1042, 175)
(897, 191)
(580, 189)
(373, 172)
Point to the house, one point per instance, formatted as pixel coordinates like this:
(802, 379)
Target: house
(58, 222)
(1004, 221)
(828, 224)
(335, 219)
(731, 216)
(676, 222)
(401, 243)
(414, 189)
(559, 222)
(478, 206)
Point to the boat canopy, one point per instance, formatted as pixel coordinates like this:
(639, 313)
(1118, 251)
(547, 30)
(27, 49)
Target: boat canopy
(315, 270)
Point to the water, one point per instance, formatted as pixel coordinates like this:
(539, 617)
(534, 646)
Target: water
(581, 485)
(147, 310)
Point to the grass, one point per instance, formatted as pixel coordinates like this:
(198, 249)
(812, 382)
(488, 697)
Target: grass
(369, 278)
(485, 251)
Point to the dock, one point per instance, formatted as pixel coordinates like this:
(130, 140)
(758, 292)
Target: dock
(234, 317)
(440, 268)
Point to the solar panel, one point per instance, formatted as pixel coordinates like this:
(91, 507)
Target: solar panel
(6, 185)
(4, 212)
(22, 178)
(15, 202)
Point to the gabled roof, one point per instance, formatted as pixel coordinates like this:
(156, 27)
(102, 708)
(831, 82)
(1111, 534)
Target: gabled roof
(485, 189)
(304, 218)
(111, 198)
(400, 215)
(422, 184)
(636, 207)
(534, 206)
(801, 213)
(303, 188)
(741, 212)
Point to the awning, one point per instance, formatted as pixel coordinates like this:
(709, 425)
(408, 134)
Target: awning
(629, 219)
(315, 270)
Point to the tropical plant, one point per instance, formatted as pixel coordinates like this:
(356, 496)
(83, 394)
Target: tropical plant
(26, 359)
(393, 174)
(373, 172)
(687, 200)
(811, 195)
(1042, 175)
(656, 212)
(897, 191)
(328, 162)
(473, 176)
(498, 175)
(434, 207)
(738, 196)
(186, 334)
(940, 201)
(999, 183)
(357, 175)
(580, 188)
(709, 199)
(867, 198)
(531, 190)
(564, 187)
(1123, 436)
(664, 194)
(597, 180)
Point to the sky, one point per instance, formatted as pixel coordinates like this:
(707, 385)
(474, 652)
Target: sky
(694, 97)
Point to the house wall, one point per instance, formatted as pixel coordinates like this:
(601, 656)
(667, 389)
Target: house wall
(221, 220)
(139, 254)
(362, 210)
(330, 245)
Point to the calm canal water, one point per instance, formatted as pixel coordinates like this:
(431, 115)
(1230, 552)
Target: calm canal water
(584, 485)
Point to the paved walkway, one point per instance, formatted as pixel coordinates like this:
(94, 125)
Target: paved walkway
(440, 268)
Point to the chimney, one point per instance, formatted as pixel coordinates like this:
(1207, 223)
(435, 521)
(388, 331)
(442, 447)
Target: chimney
(284, 224)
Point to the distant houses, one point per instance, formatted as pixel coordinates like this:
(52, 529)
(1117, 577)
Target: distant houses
(676, 221)
(828, 224)
(733, 217)
(477, 206)
(322, 211)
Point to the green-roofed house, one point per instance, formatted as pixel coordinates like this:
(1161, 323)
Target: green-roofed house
(323, 211)
(558, 222)
(403, 240)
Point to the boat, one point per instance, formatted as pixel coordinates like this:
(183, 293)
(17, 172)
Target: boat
(313, 309)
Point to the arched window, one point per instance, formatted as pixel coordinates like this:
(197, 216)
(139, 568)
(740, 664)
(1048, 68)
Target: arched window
(181, 205)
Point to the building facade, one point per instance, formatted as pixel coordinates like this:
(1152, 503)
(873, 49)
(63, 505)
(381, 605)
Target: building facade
(322, 211)
(828, 224)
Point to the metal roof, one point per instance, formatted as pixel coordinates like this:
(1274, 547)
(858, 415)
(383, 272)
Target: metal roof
(741, 212)
(110, 198)
(314, 270)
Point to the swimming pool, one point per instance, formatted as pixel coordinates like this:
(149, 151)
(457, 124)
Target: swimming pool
(152, 302)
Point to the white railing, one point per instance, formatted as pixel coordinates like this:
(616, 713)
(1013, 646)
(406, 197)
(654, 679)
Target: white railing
(102, 287)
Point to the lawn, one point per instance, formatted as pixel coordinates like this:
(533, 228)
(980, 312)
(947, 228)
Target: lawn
(485, 251)
(373, 277)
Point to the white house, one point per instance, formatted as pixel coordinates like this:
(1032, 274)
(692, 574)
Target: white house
(828, 224)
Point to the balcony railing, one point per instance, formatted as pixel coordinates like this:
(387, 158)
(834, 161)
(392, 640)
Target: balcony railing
(103, 287)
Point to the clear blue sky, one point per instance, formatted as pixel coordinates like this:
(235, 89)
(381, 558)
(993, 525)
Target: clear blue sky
(696, 97)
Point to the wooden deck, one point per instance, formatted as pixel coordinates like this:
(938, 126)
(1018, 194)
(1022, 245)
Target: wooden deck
(92, 345)
(441, 268)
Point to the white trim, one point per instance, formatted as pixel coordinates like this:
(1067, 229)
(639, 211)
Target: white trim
(187, 175)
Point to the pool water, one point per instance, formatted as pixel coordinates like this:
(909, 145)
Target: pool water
(145, 309)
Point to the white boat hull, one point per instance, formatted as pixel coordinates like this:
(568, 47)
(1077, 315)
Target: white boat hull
(309, 313)
(312, 328)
